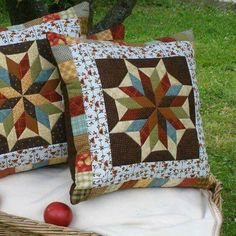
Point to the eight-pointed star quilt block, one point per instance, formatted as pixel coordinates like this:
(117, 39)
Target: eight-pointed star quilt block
(31, 108)
(151, 112)
(133, 117)
(32, 127)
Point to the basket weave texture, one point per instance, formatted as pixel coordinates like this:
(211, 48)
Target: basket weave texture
(18, 226)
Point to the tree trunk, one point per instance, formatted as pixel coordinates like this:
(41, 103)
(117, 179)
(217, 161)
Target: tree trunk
(21, 11)
(119, 12)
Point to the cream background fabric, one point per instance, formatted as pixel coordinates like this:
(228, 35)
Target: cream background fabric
(135, 212)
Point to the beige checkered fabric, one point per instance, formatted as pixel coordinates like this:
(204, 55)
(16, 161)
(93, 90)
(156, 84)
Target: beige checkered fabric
(83, 180)
(68, 70)
(104, 35)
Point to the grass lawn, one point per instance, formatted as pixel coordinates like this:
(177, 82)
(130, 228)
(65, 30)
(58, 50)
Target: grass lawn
(215, 33)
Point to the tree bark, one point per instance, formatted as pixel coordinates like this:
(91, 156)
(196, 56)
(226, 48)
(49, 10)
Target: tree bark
(21, 11)
(121, 10)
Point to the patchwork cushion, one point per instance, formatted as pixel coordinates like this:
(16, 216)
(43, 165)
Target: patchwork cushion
(133, 117)
(80, 11)
(32, 132)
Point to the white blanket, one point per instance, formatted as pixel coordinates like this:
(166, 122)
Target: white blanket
(134, 212)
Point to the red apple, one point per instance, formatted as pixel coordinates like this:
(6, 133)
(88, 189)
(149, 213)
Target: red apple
(58, 213)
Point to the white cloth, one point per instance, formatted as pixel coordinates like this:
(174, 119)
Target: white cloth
(134, 212)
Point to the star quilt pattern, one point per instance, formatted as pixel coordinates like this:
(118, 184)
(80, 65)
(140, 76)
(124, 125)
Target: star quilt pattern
(32, 129)
(153, 110)
(133, 116)
(31, 101)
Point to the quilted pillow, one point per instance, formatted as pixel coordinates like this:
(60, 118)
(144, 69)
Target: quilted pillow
(132, 117)
(31, 105)
(80, 11)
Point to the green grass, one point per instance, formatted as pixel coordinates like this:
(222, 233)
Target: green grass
(215, 32)
(4, 21)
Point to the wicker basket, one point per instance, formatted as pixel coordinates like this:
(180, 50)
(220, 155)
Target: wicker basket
(14, 225)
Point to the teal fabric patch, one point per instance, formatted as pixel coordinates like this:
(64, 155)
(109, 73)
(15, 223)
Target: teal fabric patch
(174, 90)
(137, 83)
(171, 132)
(79, 125)
(4, 114)
(44, 75)
(40, 164)
(157, 183)
(137, 125)
(4, 76)
(42, 117)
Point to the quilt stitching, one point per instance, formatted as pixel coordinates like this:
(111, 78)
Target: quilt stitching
(25, 110)
(103, 171)
(153, 109)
